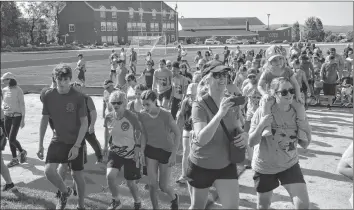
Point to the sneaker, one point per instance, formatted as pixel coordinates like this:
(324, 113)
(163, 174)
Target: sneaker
(63, 199)
(329, 107)
(8, 187)
(114, 205)
(174, 203)
(23, 156)
(13, 162)
(99, 160)
(137, 206)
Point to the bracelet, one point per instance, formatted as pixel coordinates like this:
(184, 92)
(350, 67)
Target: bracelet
(138, 145)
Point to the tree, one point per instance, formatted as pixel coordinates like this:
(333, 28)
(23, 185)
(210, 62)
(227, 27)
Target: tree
(314, 29)
(9, 19)
(350, 36)
(296, 31)
(52, 11)
(34, 12)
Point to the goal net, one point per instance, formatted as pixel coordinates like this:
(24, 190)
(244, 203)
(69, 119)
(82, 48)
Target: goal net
(145, 42)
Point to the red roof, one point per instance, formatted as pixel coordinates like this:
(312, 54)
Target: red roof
(206, 33)
(212, 23)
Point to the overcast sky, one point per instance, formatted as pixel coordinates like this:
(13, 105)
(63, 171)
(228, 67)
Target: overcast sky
(331, 13)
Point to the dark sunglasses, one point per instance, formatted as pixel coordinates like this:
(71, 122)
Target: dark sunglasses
(218, 75)
(285, 92)
(117, 103)
(252, 77)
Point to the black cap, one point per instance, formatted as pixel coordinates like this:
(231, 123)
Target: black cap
(80, 55)
(214, 66)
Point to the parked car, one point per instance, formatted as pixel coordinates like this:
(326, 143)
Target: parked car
(285, 42)
(209, 41)
(198, 42)
(246, 42)
(259, 42)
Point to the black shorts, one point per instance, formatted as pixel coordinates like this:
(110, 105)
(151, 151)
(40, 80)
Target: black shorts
(131, 172)
(114, 71)
(202, 178)
(268, 182)
(179, 58)
(166, 95)
(81, 76)
(157, 154)
(58, 153)
(329, 89)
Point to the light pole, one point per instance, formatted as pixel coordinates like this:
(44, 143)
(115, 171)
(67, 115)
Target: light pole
(268, 20)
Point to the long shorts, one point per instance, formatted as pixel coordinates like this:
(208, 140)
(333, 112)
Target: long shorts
(202, 178)
(158, 154)
(131, 172)
(166, 95)
(58, 152)
(268, 182)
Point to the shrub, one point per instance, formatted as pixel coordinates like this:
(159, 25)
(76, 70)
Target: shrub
(8, 47)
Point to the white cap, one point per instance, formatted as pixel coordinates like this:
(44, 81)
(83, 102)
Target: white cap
(8, 75)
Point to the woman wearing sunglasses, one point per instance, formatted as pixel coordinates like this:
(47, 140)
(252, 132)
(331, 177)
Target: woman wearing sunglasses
(123, 136)
(275, 157)
(209, 160)
(159, 147)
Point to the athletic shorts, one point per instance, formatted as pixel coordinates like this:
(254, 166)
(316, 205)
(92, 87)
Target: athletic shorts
(133, 63)
(166, 95)
(158, 154)
(202, 178)
(81, 76)
(131, 172)
(58, 152)
(329, 89)
(317, 91)
(268, 182)
(114, 71)
(179, 58)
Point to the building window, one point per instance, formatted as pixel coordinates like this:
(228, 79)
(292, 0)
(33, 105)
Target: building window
(141, 12)
(144, 26)
(114, 15)
(164, 26)
(152, 26)
(157, 27)
(103, 26)
(288, 32)
(131, 12)
(172, 26)
(71, 28)
(134, 26)
(129, 26)
(104, 39)
(172, 38)
(164, 13)
(102, 13)
(154, 14)
(114, 26)
(115, 39)
(109, 39)
(109, 26)
(168, 26)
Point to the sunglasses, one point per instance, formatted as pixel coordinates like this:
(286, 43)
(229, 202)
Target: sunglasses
(251, 77)
(117, 102)
(218, 75)
(168, 65)
(285, 92)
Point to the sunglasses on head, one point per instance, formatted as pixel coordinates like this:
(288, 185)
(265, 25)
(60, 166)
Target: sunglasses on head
(117, 102)
(218, 75)
(285, 92)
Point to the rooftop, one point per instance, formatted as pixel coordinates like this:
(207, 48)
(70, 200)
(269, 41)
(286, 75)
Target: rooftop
(206, 33)
(217, 23)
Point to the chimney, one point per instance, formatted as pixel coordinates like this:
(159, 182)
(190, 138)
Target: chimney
(247, 25)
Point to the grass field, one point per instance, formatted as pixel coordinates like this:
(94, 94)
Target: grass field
(37, 68)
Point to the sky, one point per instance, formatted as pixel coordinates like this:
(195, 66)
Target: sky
(331, 13)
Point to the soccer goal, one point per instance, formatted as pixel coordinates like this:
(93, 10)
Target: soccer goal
(154, 42)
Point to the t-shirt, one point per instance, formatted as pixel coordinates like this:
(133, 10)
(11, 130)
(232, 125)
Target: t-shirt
(163, 79)
(267, 76)
(158, 130)
(123, 133)
(180, 86)
(188, 76)
(130, 93)
(214, 154)
(329, 73)
(113, 60)
(13, 100)
(81, 65)
(278, 152)
(308, 68)
(133, 56)
(65, 110)
(149, 77)
(122, 56)
(121, 76)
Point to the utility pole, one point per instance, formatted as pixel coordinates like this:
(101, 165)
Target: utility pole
(268, 20)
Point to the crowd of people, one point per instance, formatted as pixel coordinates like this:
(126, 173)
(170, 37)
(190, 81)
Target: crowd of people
(248, 109)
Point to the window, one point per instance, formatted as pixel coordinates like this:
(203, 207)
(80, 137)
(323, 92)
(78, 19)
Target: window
(164, 26)
(109, 26)
(102, 12)
(141, 12)
(157, 27)
(172, 26)
(172, 38)
(288, 32)
(163, 13)
(109, 39)
(134, 26)
(152, 26)
(71, 28)
(103, 39)
(115, 39)
(143, 25)
(103, 26)
(168, 26)
(138, 26)
(129, 26)
(114, 15)
(131, 12)
(114, 26)
(154, 14)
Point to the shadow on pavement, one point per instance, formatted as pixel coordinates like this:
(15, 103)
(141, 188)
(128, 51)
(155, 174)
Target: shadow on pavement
(318, 152)
(324, 175)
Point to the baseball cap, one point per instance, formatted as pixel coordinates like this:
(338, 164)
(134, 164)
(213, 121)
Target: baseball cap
(214, 66)
(192, 89)
(80, 54)
(252, 72)
(8, 75)
(273, 52)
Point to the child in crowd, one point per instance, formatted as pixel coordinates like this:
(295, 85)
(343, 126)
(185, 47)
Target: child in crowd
(318, 84)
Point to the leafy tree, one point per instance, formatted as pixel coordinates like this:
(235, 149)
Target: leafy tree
(314, 29)
(10, 15)
(51, 12)
(296, 31)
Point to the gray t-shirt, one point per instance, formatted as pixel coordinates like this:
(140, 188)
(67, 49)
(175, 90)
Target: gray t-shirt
(278, 152)
(214, 154)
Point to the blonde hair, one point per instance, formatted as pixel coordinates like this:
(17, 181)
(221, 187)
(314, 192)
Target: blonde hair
(202, 87)
(118, 95)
